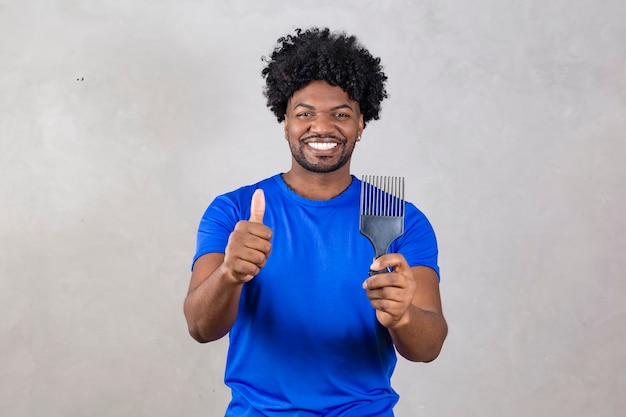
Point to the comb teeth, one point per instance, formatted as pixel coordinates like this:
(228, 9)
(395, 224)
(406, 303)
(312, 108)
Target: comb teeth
(382, 196)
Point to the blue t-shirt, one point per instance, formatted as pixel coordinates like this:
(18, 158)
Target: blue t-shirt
(306, 341)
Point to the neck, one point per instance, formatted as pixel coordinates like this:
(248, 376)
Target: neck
(318, 186)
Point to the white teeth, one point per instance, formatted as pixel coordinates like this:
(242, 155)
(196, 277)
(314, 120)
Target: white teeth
(322, 146)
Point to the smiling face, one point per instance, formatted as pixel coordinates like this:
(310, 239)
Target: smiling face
(322, 125)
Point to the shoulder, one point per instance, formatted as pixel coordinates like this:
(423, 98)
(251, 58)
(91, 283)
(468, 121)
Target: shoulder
(247, 190)
(415, 218)
(419, 242)
(236, 203)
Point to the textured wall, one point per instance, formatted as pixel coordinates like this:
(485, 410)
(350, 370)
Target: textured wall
(121, 120)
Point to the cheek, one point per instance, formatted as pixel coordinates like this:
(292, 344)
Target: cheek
(294, 131)
(350, 131)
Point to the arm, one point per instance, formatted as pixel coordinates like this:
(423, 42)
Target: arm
(212, 302)
(213, 299)
(408, 303)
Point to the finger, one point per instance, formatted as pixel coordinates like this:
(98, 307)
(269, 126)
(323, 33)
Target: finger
(244, 238)
(383, 280)
(257, 206)
(387, 306)
(385, 293)
(244, 263)
(390, 260)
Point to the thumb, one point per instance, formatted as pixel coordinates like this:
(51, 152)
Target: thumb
(257, 207)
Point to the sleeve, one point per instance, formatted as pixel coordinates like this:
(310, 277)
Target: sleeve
(215, 227)
(418, 244)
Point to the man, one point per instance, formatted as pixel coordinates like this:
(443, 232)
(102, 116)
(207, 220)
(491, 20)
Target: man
(282, 267)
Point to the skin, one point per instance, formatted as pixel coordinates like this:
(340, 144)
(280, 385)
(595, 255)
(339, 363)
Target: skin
(321, 113)
(322, 126)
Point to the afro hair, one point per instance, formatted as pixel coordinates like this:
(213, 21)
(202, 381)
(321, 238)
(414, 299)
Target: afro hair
(319, 54)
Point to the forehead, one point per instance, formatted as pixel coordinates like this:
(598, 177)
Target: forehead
(319, 93)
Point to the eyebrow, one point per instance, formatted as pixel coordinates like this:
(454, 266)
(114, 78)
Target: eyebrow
(308, 106)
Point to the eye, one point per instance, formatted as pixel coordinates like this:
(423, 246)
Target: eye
(342, 115)
(304, 114)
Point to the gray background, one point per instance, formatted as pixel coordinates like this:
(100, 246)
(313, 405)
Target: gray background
(121, 120)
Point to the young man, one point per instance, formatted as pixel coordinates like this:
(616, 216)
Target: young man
(282, 267)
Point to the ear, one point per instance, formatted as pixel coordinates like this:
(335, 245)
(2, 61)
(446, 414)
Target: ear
(361, 125)
(286, 126)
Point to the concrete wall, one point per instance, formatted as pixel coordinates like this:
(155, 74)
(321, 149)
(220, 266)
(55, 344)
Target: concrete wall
(121, 120)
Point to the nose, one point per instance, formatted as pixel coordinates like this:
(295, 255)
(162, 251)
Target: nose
(322, 124)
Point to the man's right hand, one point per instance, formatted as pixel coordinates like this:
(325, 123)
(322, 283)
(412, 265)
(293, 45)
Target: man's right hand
(249, 244)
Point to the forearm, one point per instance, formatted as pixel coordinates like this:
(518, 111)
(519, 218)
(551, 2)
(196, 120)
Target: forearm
(211, 308)
(420, 337)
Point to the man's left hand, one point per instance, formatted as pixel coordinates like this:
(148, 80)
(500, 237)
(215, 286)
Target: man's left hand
(391, 293)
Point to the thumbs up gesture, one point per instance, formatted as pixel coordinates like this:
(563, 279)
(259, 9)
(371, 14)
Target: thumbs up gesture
(249, 244)
(257, 207)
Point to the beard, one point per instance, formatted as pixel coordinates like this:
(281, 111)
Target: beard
(324, 164)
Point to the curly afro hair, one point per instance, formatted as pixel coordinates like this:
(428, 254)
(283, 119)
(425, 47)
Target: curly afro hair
(319, 54)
